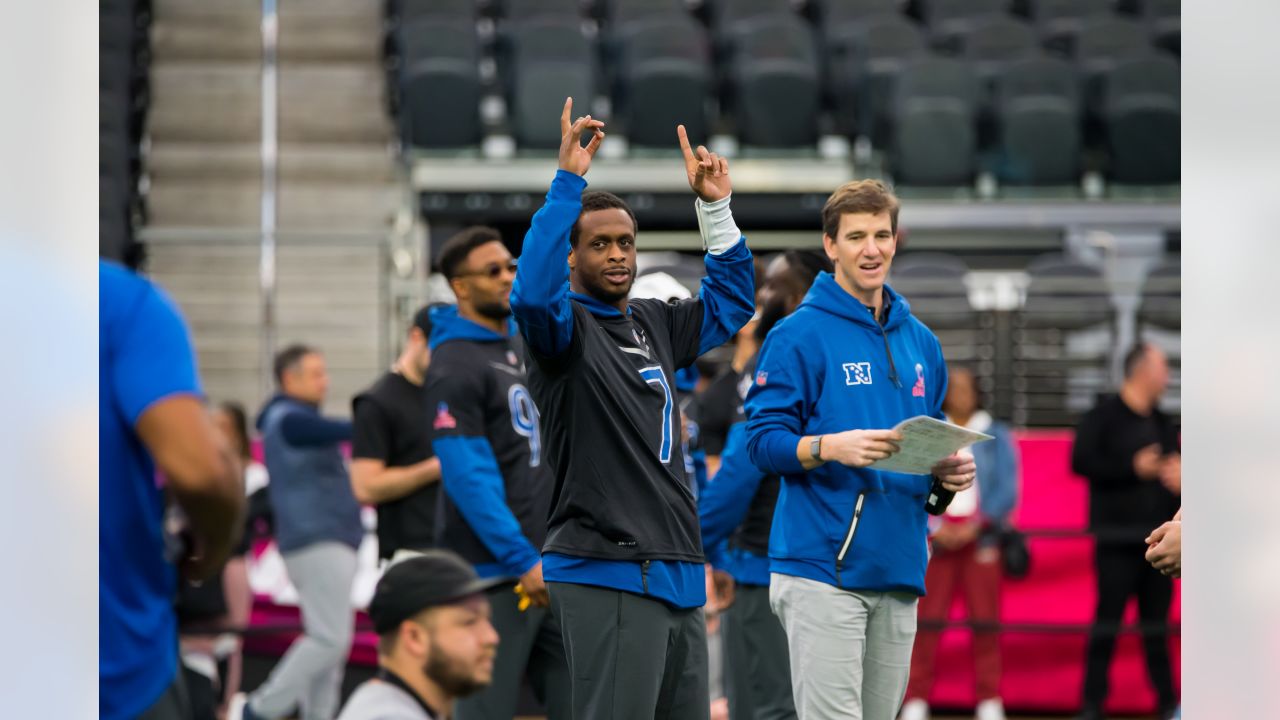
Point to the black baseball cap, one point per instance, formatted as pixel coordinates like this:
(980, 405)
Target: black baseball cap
(409, 586)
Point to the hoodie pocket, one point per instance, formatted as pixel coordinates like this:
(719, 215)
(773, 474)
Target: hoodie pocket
(850, 533)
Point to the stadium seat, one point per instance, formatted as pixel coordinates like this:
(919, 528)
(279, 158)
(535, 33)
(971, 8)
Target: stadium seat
(402, 11)
(994, 42)
(439, 83)
(935, 133)
(663, 79)
(775, 83)
(835, 12)
(1161, 305)
(1143, 121)
(551, 60)
(934, 283)
(1037, 105)
(1164, 23)
(1102, 43)
(949, 21)
(1059, 21)
(730, 19)
(517, 11)
(625, 11)
(861, 85)
(1065, 294)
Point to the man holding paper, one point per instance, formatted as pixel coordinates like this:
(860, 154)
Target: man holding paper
(849, 543)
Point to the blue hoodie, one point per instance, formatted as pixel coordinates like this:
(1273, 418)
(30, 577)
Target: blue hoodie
(827, 368)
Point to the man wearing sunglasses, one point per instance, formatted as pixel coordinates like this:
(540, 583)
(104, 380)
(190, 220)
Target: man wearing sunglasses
(623, 556)
(497, 489)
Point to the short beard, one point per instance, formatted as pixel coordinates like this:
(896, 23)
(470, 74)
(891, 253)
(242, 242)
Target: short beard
(770, 315)
(445, 672)
(494, 310)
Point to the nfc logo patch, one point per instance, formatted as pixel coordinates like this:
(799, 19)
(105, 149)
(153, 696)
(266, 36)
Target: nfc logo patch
(857, 373)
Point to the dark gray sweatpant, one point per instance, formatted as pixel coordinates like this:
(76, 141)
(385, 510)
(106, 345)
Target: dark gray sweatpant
(632, 657)
(528, 642)
(757, 664)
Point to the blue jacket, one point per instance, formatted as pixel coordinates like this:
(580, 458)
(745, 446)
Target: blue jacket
(724, 505)
(826, 368)
(997, 463)
(310, 490)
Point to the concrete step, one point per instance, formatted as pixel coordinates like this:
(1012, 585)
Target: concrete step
(205, 102)
(333, 103)
(351, 163)
(331, 30)
(338, 206)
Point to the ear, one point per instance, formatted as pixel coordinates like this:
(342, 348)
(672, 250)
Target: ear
(457, 286)
(829, 245)
(572, 258)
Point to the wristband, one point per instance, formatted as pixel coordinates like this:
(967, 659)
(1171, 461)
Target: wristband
(716, 225)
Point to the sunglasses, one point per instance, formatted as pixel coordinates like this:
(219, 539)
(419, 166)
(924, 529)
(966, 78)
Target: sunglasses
(492, 271)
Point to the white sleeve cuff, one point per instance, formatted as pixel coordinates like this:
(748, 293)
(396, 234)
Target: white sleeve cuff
(715, 222)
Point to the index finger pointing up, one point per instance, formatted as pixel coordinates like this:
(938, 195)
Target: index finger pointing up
(684, 143)
(565, 123)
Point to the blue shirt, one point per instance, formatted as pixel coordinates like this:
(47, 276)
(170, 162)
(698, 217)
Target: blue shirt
(144, 356)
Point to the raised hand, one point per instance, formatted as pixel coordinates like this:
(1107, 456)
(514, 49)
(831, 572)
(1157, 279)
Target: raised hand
(573, 156)
(708, 173)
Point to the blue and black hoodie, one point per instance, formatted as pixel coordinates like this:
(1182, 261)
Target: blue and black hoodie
(830, 367)
(484, 429)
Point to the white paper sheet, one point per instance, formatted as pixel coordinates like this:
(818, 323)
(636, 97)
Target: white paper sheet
(925, 441)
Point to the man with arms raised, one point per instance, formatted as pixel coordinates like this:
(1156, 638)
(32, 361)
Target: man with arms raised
(847, 553)
(623, 559)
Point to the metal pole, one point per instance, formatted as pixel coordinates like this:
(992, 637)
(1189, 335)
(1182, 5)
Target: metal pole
(270, 157)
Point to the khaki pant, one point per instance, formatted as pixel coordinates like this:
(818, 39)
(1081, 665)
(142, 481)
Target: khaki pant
(850, 650)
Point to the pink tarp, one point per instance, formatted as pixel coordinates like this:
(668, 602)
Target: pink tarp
(1043, 671)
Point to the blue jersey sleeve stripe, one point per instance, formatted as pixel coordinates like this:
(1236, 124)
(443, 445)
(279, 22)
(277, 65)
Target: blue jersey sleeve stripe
(728, 295)
(540, 296)
(473, 482)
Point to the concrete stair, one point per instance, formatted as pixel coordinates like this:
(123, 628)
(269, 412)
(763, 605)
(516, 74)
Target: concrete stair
(337, 181)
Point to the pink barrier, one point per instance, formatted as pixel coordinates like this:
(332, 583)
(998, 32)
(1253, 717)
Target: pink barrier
(1042, 672)
(1045, 672)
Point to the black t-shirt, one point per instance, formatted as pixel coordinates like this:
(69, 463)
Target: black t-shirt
(481, 387)
(717, 408)
(611, 427)
(391, 426)
(1107, 438)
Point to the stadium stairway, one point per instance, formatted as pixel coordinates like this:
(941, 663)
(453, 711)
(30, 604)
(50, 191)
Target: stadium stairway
(337, 190)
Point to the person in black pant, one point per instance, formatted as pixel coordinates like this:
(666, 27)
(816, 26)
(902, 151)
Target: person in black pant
(623, 560)
(497, 488)
(392, 464)
(1129, 451)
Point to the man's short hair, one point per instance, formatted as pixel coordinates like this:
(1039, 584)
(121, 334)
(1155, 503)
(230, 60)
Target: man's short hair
(289, 359)
(1134, 357)
(454, 252)
(807, 264)
(387, 641)
(593, 200)
(859, 196)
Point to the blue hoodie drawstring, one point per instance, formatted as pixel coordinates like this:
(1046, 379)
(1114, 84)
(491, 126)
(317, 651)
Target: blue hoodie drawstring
(893, 367)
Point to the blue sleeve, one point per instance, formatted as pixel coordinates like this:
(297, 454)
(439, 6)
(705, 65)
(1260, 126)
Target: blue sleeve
(152, 355)
(778, 405)
(303, 429)
(724, 505)
(540, 296)
(728, 295)
(473, 483)
(940, 376)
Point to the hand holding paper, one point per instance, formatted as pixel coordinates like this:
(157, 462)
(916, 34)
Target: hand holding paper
(929, 446)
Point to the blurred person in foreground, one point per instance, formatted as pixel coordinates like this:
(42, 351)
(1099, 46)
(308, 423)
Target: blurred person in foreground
(1129, 452)
(392, 465)
(151, 417)
(736, 514)
(213, 663)
(848, 548)
(318, 529)
(484, 427)
(966, 555)
(436, 643)
(623, 559)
